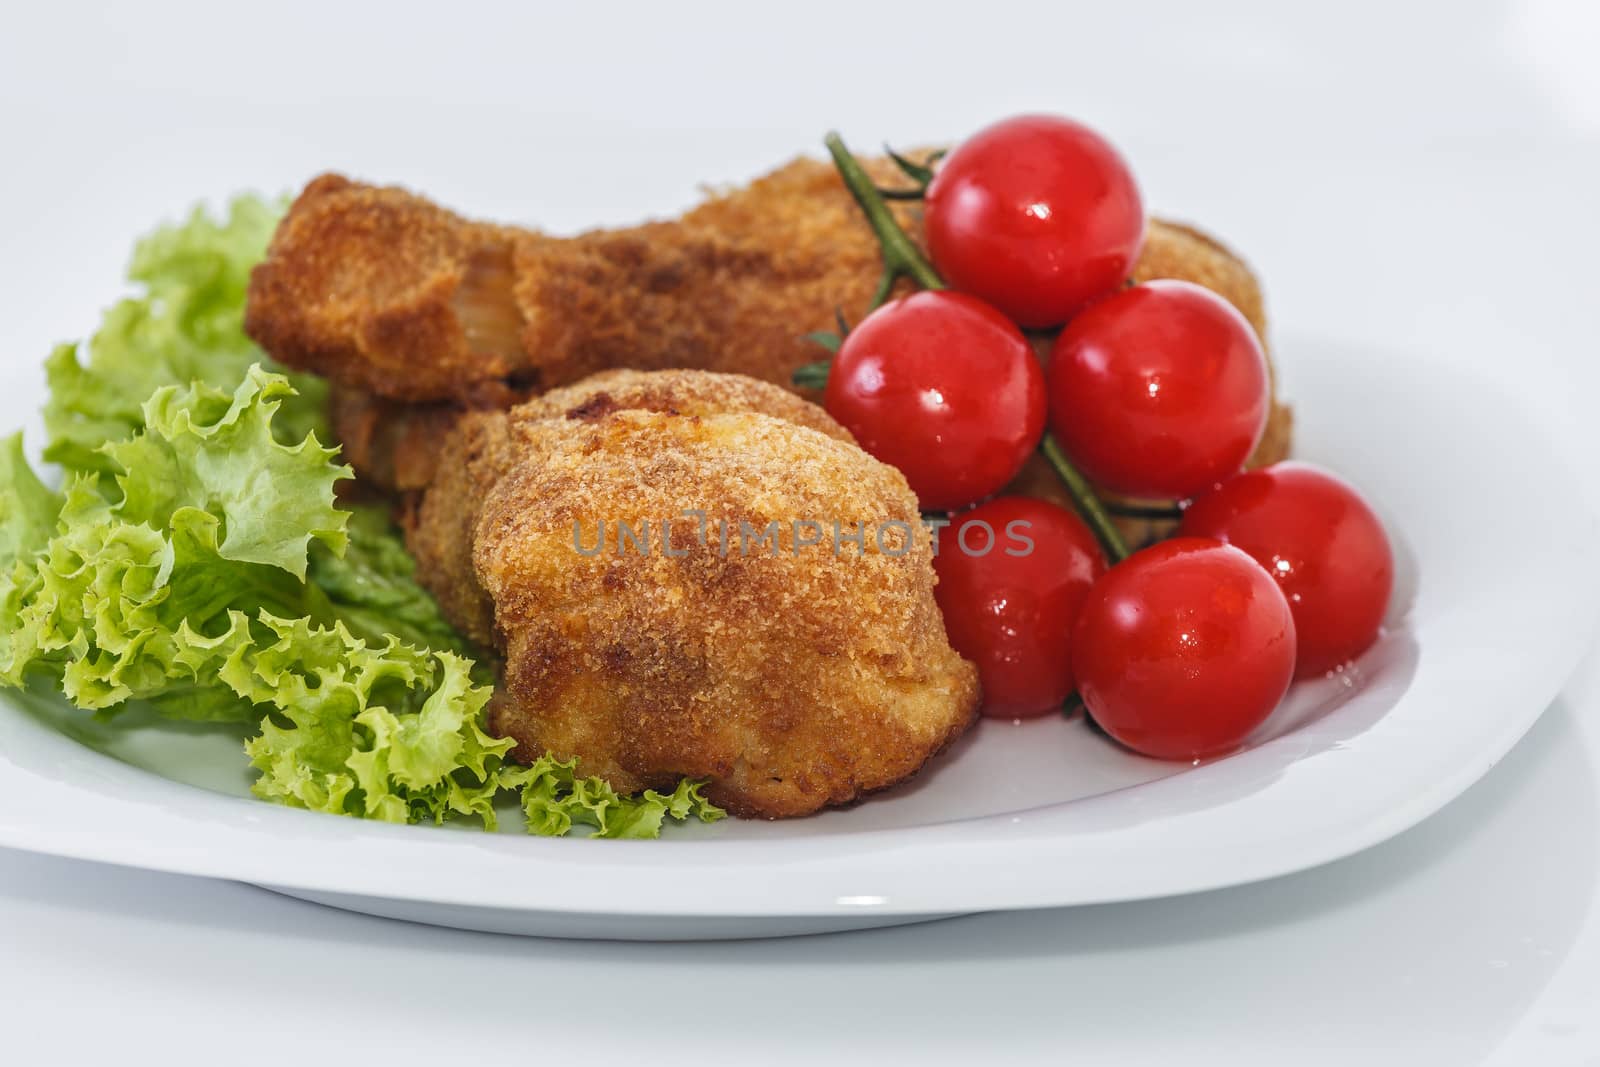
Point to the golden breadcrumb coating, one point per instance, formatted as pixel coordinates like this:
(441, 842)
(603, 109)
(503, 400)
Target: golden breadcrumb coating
(386, 291)
(735, 285)
(793, 676)
(474, 453)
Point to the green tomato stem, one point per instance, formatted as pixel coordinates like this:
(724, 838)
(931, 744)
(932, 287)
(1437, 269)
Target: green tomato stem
(1084, 499)
(900, 257)
(1153, 512)
(812, 375)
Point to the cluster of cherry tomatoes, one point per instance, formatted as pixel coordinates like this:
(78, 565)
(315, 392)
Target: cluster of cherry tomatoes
(1154, 391)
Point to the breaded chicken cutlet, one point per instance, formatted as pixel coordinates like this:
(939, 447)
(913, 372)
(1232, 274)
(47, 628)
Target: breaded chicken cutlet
(680, 656)
(749, 646)
(402, 303)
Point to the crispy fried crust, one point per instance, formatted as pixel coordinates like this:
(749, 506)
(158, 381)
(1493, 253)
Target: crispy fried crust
(650, 667)
(733, 286)
(387, 292)
(481, 446)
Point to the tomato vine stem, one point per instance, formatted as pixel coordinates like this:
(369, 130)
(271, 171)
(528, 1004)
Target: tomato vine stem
(1084, 497)
(901, 259)
(1154, 512)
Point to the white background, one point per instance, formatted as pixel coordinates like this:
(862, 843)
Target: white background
(1420, 176)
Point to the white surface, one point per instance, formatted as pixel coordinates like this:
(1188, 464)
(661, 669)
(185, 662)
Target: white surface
(1427, 173)
(1016, 816)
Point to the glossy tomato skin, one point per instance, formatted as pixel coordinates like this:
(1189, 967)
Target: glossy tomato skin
(1012, 577)
(1037, 215)
(1159, 391)
(1183, 649)
(1323, 544)
(944, 387)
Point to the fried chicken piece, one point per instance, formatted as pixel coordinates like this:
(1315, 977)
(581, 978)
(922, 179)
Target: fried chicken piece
(793, 673)
(382, 290)
(476, 451)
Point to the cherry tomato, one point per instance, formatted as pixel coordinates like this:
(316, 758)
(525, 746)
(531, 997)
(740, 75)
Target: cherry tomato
(1012, 575)
(1323, 544)
(1184, 648)
(1037, 215)
(1159, 391)
(944, 387)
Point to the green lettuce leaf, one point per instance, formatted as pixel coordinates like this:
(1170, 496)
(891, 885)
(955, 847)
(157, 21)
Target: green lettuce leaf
(205, 449)
(186, 324)
(388, 731)
(28, 509)
(371, 587)
(555, 800)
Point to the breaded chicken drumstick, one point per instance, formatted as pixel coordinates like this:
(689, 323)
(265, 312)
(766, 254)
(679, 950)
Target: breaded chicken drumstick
(750, 645)
(383, 290)
(679, 656)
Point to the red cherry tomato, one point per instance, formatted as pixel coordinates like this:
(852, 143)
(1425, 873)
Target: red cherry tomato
(1037, 215)
(1184, 648)
(1323, 544)
(944, 387)
(1159, 391)
(1012, 575)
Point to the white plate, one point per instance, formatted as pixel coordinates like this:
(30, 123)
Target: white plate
(1496, 602)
